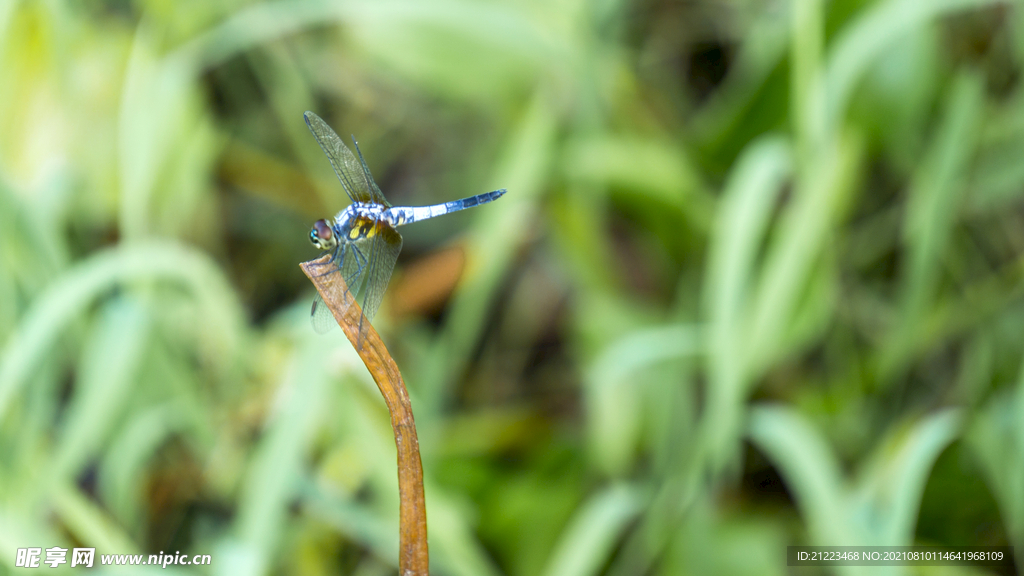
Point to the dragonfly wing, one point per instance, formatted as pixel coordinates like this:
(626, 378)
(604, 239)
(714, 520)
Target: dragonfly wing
(387, 243)
(350, 261)
(355, 178)
(320, 316)
(376, 195)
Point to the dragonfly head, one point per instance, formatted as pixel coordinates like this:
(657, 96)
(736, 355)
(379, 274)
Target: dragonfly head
(322, 235)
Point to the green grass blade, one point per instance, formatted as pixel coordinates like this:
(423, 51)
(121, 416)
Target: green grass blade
(495, 237)
(122, 471)
(355, 521)
(752, 188)
(866, 39)
(658, 170)
(809, 469)
(820, 197)
(454, 546)
(275, 472)
(589, 538)
(932, 210)
(89, 523)
(614, 385)
(109, 368)
(893, 487)
(73, 292)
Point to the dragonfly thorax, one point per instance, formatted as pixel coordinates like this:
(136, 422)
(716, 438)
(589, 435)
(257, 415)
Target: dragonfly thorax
(359, 220)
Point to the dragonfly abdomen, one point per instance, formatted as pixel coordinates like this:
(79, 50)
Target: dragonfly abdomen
(399, 215)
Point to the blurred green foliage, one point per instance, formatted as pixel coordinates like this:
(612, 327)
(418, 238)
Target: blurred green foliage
(758, 281)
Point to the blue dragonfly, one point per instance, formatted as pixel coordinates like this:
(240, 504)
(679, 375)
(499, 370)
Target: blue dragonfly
(363, 239)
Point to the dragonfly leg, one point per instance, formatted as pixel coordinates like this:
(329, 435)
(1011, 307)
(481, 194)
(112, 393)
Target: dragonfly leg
(361, 262)
(332, 265)
(353, 278)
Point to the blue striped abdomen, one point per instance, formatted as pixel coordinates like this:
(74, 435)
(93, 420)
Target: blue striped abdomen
(399, 215)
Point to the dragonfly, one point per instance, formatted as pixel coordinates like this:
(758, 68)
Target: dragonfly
(363, 239)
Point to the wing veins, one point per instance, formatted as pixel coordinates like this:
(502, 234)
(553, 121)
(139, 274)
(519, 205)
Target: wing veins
(345, 164)
(375, 192)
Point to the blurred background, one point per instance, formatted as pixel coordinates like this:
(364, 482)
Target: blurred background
(758, 281)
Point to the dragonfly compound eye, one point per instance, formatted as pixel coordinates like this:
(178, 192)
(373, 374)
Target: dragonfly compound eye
(322, 236)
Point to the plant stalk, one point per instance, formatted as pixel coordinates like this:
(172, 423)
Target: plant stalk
(413, 557)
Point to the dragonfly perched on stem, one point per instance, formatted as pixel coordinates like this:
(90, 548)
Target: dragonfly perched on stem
(363, 239)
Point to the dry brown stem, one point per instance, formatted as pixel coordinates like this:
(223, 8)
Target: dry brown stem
(412, 524)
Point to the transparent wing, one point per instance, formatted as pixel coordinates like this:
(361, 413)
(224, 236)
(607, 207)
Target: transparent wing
(375, 192)
(354, 175)
(387, 243)
(320, 316)
(351, 262)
